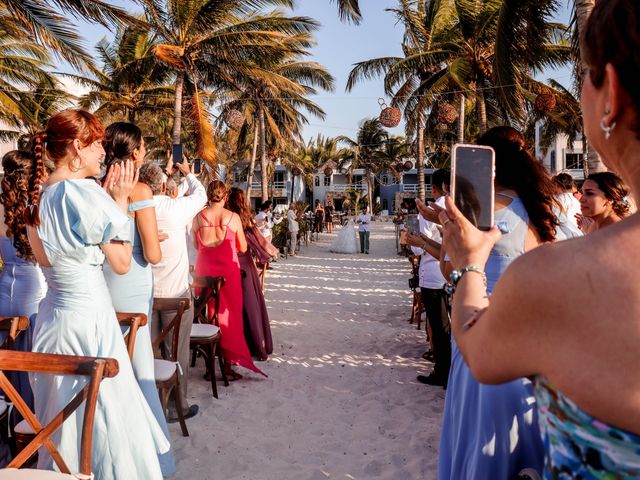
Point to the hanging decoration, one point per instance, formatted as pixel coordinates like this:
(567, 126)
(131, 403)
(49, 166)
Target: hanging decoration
(328, 172)
(447, 113)
(296, 171)
(408, 165)
(234, 119)
(389, 116)
(546, 102)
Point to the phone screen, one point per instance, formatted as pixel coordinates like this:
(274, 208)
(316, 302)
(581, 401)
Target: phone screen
(197, 165)
(472, 176)
(413, 225)
(177, 153)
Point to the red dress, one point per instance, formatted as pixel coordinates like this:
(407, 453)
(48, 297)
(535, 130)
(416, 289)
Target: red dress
(222, 260)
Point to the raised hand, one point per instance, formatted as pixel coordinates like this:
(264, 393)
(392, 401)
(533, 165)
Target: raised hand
(427, 212)
(120, 188)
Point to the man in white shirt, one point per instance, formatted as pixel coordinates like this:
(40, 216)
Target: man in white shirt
(171, 274)
(364, 220)
(294, 227)
(263, 220)
(432, 285)
(568, 202)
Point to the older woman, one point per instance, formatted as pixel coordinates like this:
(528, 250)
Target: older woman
(569, 313)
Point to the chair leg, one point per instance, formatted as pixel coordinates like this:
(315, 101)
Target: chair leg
(224, 374)
(179, 408)
(212, 369)
(194, 356)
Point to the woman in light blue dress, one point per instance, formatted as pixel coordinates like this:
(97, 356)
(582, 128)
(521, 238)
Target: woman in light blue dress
(22, 284)
(73, 226)
(133, 291)
(490, 432)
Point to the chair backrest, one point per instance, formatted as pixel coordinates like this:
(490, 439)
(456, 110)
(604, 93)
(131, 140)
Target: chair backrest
(94, 368)
(133, 321)
(12, 325)
(209, 290)
(179, 305)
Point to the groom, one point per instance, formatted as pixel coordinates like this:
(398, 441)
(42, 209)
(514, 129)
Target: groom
(363, 220)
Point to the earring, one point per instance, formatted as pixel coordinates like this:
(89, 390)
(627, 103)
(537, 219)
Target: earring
(72, 166)
(607, 129)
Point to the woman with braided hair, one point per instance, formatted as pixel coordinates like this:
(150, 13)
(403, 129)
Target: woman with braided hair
(22, 285)
(74, 225)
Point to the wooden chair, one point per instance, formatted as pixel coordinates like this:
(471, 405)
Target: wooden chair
(13, 326)
(132, 321)
(205, 333)
(417, 308)
(94, 368)
(166, 363)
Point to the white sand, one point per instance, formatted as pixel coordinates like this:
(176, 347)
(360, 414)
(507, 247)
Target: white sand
(341, 400)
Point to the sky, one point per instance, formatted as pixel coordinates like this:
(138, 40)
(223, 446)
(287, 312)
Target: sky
(339, 46)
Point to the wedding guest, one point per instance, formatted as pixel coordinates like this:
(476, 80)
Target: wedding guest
(219, 236)
(577, 302)
(364, 220)
(171, 273)
(319, 217)
(73, 225)
(328, 217)
(133, 291)
(481, 422)
(254, 309)
(264, 221)
(22, 284)
(293, 227)
(604, 201)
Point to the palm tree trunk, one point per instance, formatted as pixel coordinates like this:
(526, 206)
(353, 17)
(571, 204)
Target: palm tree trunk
(370, 188)
(252, 165)
(461, 118)
(481, 110)
(132, 115)
(263, 155)
(177, 109)
(420, 156)
(593, 162)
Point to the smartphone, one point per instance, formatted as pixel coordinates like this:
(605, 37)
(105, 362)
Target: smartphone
(472, 176)
(197, 166)
(176, 152)
(413, 224)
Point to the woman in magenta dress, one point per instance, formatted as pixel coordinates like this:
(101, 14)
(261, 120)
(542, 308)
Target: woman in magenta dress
(218, 236)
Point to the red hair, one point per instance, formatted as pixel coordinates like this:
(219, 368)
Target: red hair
(62, 129)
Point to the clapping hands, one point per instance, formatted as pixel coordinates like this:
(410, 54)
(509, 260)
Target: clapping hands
(120, 181)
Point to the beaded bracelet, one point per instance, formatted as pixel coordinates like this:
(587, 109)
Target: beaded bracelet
(457, 275)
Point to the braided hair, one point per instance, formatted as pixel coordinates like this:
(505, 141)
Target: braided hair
(17, 166)
(38, 176)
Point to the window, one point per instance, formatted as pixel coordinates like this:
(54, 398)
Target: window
(327, 181)
(239, 177)
(574, 161)
(278, 177)
(357, 178)
(316, 181)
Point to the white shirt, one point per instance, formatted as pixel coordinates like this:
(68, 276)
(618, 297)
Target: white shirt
(174, 216)
(293, 222)
(263, 222)
(570, 206)
(429, 273)
(363, 220)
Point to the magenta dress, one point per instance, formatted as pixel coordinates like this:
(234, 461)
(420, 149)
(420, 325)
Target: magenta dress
(222, 260)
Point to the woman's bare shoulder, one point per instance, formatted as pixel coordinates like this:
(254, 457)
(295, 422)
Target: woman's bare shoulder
(140, 192)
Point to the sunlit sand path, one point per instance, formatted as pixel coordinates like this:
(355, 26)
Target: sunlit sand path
(341, 400)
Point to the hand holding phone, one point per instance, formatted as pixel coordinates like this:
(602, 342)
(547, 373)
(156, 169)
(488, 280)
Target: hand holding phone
(472, 183)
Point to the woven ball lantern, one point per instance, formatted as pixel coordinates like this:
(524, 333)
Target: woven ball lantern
(389, 116)
(296, 171)
(546, 102)
(447, 113)
(234, 119)
(407, 166)
(328, 172)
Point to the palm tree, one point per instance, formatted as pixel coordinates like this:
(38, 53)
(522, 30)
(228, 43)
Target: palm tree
(349, 10)
(130, 81)
(205, 41)
(366, 152)
(44, 21)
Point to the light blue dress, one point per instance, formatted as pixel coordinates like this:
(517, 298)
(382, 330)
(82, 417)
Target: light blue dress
(133, 293)
(22, 286)
(77, 317)
(490, 432)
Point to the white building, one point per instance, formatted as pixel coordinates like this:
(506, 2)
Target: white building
(561, 157)
(331, 184)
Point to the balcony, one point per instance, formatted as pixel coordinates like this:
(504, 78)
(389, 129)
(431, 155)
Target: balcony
(413, 188)
(358, 187)
(276, 189)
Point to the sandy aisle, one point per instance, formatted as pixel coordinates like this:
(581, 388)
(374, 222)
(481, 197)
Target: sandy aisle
(341, 401)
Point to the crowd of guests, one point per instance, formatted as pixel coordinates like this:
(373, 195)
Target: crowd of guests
(104, 232)
(535, 334)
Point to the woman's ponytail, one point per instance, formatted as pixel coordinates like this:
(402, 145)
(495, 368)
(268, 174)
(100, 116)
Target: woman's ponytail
(38, 175)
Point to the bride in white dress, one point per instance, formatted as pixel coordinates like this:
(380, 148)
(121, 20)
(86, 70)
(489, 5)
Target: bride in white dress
(346, 242)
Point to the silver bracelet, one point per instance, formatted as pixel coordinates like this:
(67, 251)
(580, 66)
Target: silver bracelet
(456, 276)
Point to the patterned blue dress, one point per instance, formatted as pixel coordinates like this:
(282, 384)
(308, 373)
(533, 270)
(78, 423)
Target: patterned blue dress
(578, 445)
(490, 432)
(77, 317)
(133, 293)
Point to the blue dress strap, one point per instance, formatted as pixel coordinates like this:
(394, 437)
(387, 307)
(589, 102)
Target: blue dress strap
(141, 205)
